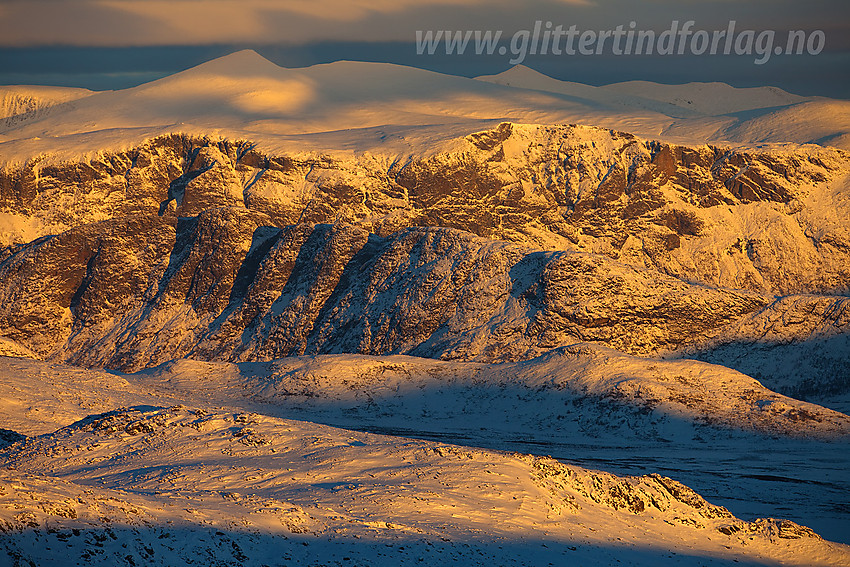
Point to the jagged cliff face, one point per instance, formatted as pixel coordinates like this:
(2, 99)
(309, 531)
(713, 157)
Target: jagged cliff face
(768, 222)
(225, 285)
(212, 249)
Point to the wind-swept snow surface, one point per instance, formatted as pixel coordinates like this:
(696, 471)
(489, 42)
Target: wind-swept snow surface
(588, 406)
(709, 111)
(23, 102)
(173, 485)
(580, 390)
(243, 95)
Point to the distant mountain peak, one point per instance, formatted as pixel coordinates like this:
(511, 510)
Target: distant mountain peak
(237, 63)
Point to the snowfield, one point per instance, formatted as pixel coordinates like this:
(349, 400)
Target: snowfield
(182, 485)
(160, 462)
(244, 96)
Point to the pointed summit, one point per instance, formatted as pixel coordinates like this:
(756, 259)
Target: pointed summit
(244, 62)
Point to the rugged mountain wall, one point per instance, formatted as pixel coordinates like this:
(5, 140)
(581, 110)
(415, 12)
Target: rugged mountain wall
(224, 285)
(772, 222)
(210, 249)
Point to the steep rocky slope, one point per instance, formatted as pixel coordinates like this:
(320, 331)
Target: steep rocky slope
(196, 247)
(772, 221)
(224, 285)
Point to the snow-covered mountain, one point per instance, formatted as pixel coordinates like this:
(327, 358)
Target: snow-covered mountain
(713, 112)
(245, 93)
(679, 101)
(245, 96)
(768, 221)
(582, 234)
(509, 262)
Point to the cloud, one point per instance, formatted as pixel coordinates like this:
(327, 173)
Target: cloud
(182, 22)
(256, 22)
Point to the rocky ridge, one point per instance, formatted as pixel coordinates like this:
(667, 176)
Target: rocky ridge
(516, 240)
(645, 203)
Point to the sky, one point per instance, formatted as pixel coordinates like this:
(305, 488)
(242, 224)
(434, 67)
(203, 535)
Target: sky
(107, 44)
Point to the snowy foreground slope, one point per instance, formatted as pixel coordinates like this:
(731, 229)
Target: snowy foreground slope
(578, 391)
(717, 429)
(186, 486)
(182, 485)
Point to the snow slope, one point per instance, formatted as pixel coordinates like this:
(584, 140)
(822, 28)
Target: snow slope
(710, 111)
(568, 392)
(243, 95)
(524, 77)
(588, 406)
(161, 480)
(18, 100)
(243, 92)
(11, 348)
(712, 99)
